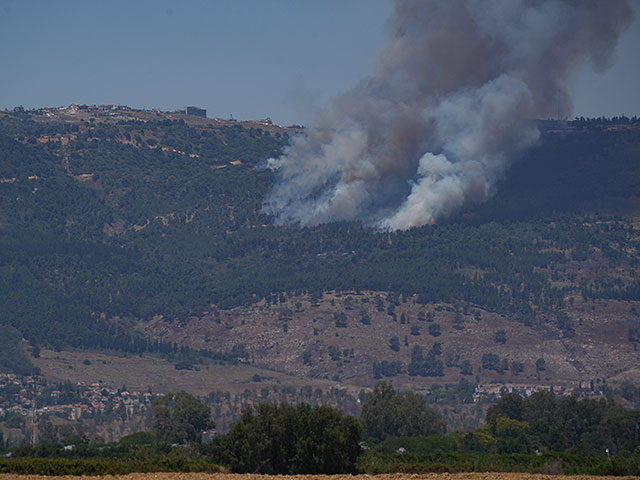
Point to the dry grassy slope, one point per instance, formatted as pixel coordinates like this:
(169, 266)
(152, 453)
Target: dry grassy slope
(159, 375)
(600, 348)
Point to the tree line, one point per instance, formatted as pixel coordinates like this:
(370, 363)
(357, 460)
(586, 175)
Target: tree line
(394, 431)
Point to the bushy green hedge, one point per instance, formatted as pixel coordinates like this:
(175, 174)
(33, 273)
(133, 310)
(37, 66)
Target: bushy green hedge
(102, 466)
(549, 463)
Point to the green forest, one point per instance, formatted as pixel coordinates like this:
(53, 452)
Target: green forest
(127, 219)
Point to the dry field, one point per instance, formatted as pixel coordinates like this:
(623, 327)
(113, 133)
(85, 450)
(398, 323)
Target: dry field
(152, 372)
(221, 476)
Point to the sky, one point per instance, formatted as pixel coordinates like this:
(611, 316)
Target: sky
(247, 58)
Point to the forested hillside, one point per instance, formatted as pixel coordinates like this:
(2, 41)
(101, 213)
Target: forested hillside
(111, 218)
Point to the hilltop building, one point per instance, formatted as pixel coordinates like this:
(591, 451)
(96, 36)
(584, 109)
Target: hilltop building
(198, 112)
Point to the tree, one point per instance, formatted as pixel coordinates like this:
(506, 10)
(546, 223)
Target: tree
(511, 435)
(517, 367)
(306, 357)
(348, 303)
(585, 426)
(290, 440)
(48, 433)
(180, 418)
(426, 366)
(394, 344)
(490, 361)
(388, 414)
(539, 407)
(620, 428)
(466, 368)
(341, 319)
(510, 406)
(379, 303)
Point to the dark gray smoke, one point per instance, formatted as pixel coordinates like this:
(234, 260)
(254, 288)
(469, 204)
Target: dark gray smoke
(453, 98)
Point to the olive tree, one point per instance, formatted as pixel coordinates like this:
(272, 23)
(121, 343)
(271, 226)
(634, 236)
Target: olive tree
(180, 418)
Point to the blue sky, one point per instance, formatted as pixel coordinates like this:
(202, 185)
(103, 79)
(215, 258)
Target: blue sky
(248, 58)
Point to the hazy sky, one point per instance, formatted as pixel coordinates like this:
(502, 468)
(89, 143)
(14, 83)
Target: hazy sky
(249, 58)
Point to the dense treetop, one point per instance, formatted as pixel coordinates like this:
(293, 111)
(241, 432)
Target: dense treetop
(389, 414)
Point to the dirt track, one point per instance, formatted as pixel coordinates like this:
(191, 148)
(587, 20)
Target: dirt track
(221, 476)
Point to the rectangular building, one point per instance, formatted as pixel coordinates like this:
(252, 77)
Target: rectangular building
(198, 112)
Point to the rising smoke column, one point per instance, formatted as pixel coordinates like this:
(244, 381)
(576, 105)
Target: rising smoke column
(453, 99)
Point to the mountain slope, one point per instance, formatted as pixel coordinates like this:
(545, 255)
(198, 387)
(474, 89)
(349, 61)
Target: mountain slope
(143, 232)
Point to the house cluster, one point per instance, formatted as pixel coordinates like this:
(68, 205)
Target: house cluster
(80, 107)
(51, 398)
(493, 391)
(75, 108)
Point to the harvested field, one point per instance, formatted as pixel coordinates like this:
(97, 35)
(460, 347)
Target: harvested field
(223, 476)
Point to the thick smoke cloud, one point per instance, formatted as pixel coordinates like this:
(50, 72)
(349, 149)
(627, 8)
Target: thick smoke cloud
(453, 99)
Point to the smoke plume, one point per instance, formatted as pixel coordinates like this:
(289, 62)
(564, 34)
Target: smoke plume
(453, 99)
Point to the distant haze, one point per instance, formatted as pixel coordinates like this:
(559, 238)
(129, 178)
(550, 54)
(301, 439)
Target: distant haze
(452, 99)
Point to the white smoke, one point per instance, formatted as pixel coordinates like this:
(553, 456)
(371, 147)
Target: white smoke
(453, 99)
